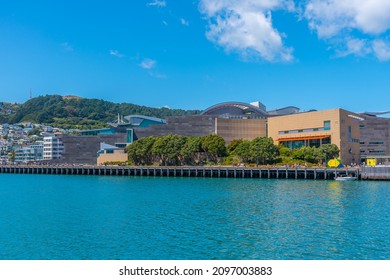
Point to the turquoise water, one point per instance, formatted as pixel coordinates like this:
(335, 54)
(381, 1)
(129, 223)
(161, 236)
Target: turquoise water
(92, 217)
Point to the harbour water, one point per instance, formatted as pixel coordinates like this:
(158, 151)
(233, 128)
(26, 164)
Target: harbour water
(103, 217)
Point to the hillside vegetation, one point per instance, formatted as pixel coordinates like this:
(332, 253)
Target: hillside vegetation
(83, 113)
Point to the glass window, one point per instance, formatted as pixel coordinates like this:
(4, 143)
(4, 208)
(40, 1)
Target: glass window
(326, 140)
(326, 125)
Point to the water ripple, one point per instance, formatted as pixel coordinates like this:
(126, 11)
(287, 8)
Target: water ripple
(82, 217)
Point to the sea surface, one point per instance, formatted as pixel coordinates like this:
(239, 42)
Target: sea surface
(97, 217)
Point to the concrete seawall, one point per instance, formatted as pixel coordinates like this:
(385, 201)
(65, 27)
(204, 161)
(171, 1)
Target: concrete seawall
(186, 171)
(375, 172)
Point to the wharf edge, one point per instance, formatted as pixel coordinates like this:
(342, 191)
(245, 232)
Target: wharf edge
(189, 171)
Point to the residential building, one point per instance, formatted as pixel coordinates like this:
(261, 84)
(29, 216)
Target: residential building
(52, 147)
(33, 152)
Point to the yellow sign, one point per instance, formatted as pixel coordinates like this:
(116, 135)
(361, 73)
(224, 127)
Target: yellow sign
(371, 162)
(334, 163)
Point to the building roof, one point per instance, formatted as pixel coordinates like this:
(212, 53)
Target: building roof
(130, 117)
(234, 109)
(374, 114)
(284, 111)
(246, 109)
(104, 146)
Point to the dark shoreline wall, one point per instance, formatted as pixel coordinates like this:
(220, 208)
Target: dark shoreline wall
(186, 171)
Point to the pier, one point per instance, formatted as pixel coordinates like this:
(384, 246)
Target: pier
(187, 171)
(379, 172)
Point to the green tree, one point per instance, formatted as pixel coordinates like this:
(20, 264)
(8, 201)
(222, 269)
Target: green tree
(140, 151)
(327, 152)
(243, 151)
(284, 151)
(233, 145)
(167, 148)
(191, 150)
(263, 150)
(214, 147)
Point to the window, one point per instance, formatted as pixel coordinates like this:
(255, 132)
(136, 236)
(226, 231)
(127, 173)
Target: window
(376, 143)
(376, 152)
(326, 125)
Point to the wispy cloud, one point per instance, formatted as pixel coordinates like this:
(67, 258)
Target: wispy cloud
(245, 27)
(67, 47)
(357, 26)
(157, 3)
(381, 50)
(165, 23)
(116, 53)
(157, 75)
(148, 63)
(184, 22)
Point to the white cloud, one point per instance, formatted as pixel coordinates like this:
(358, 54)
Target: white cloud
(245, 27)
(353, 46)
(67, 47)
(157, 3)
(157, 75)
(116, 53)
(344, 20)
(381, 50)
(148, 63)
(184, 22)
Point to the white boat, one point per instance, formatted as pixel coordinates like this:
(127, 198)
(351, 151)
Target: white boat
(345, 178)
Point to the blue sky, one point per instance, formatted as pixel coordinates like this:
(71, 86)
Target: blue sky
(192, 54)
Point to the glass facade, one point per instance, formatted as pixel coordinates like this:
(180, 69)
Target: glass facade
(296, 144)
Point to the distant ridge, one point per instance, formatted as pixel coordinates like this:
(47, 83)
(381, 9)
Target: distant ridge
(75, 112)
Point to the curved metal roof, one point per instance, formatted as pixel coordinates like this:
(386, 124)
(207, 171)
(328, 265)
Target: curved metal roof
(376, 113)
(234, 108)
(284, 111)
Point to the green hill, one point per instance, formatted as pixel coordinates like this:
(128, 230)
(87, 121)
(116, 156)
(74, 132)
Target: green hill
(83, 113)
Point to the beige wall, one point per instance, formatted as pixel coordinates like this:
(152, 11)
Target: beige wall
(339, 122)
(118, 155)
(230, 129)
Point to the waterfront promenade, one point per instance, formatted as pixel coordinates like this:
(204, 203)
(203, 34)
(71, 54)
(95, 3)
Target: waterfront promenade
(186, 171)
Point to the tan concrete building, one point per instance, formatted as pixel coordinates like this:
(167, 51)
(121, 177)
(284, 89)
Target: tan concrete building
(109, 153)
(315, 128)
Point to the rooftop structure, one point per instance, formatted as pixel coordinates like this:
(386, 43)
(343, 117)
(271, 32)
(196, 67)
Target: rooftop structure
(236, 110)
(254, 110)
